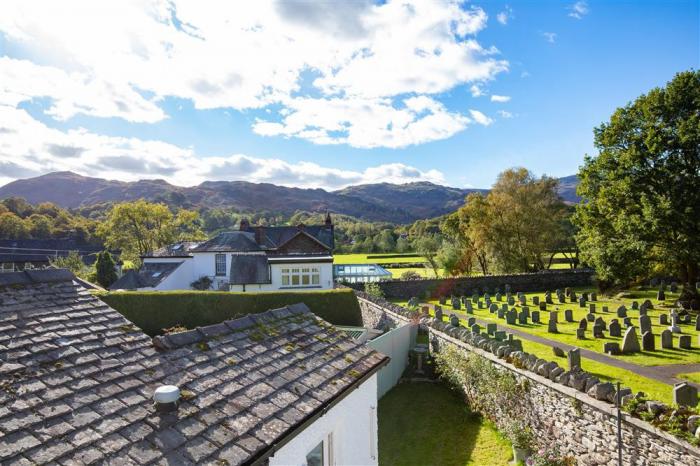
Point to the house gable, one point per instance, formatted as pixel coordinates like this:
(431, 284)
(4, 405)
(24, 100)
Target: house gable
(302, 243)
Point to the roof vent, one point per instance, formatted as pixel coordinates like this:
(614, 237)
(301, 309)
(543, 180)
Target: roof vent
(166, 398)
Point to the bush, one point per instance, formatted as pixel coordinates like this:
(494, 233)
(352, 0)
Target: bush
(410, 275)
(154, 311)
(203, 283)
(373, 289)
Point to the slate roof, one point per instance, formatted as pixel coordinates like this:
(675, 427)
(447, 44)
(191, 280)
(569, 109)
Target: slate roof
(77, 378)
(179, 249)
(268, 238)
(239, 241)
(249, 269)
(149, 275)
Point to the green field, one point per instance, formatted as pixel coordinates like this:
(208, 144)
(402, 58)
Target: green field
(426, 424)
(385, 259)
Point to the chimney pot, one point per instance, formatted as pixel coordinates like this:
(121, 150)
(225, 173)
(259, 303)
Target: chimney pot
(166, 398)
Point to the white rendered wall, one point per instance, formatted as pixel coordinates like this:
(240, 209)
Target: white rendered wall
(179, 279)
(354, 434)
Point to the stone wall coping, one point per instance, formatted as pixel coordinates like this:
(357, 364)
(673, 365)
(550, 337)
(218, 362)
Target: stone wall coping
(494, 275)
(599, 405)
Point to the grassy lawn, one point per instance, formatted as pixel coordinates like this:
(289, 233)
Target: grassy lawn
(426, 424)
(368, 259)
(567, 331)
(690, 377)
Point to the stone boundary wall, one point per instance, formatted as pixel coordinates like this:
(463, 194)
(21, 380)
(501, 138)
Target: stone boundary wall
(560, 415)
(434, 287)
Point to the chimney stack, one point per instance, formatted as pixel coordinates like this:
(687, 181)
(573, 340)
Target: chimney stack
(245, 225)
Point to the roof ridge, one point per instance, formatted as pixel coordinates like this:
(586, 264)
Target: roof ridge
(31, 277)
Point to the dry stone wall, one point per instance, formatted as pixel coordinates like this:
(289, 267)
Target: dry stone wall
(560, 415)
(397, 289)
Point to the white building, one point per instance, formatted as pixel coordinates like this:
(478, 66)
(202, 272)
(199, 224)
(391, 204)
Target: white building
(250, 259)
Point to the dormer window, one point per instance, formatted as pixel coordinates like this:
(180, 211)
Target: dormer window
(220, 264)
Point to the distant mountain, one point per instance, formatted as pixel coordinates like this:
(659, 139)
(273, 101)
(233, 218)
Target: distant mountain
(397, 203)
(567, 189)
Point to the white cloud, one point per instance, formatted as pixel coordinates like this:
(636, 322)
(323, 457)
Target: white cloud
(476, 90)
(579, 9)
(257, 55)
(500, 98)
(504, 114)
(504, 16)
(480, 117)
(30, 148)
(551, 37)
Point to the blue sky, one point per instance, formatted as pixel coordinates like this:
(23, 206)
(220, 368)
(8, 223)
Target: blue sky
(326, 95)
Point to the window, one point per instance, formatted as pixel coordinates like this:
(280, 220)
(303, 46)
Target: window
(301, 277)
(220, 261)
(322, 454)
(315, 456)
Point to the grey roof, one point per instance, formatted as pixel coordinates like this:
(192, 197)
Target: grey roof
(249, 269)
(43, 250)
(277, 236)
(77, 378)
(179, 249)
(239, 241)
(148, 276)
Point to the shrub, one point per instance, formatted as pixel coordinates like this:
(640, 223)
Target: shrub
(203, 283)
(410, 275)
(154, 311)
(106, 273)
(373, 289)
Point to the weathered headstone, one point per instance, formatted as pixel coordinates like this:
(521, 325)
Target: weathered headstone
(614, 328)
(591, 308)
(647, 304)
(574, 358)
(526, 310)
(491, 328)
(685, 394)
(685, 341)
(661, 295)
(522, 318)
(471, 321)
(635, 305)
(480, 304)
(511, 301)
(443, 300)
(583, 323)
(507, 288)
(605, 309)
(493, 308)
(511, 316)
(558, 352)
(580, 333)
(522, 298)
(476, 329)
(561, 298)
(644, 324)
(582, 302)
(499, 335)
(535, 317)
(630, 342)
(663, 319)
(648, 343)
(456, 305)
(674, 287)
(601, 322)
(501, 313)
(454, 320)
(674, 322)
(535, 300)
(642, 311)
(667, 339)
(569, 315)
(593, 296)
(548, 298)
(590, 317)
(627, 321)
(622, 312)
(552, 325)
(567, 291)
(543, 306)
(499, 296)
(598, 331)
(611, 347)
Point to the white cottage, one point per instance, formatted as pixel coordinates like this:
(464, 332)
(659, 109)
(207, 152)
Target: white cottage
(253, 258)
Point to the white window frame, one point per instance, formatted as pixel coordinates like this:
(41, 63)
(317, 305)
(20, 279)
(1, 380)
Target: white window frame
(304, 276)
(328, 450)
(216, 265)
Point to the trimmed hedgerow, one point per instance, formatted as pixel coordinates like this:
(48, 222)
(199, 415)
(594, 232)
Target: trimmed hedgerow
(154, 311)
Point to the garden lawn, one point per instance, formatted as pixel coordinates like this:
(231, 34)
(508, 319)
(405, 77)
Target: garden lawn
(377, 258)
(426, 424)
(567, 331)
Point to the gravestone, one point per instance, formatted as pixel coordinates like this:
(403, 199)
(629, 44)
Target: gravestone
(491, 328)
(685, 394)
(663, 319)
(567, 291)
(499, 297)
(535, 317)
(456, 305)
(582, 302)
(614, 328)
(569, 315)
(522, 318)
(443, 300)
(552, 325)
(611, 347)
(558, 352)
(454, 320)
(627, 321)
(511, 301)
(543, 306)
(642, 311)
(526, 310)
(697, 323)
(471, 321)
(574, 358)
(521, 298)
(635, 305)
(583, 323)
(573, 298)
(644, 324)
(598, 331)
(605, 309)
(511, 316)
(493, 308)
(548, 298)
(647, 304)
(674, 287)
(622, 312)
(685, 341)
(630, 342)
(590, 317)
(580, 333)
(504, 306)
(499, 335)
(561, 298)
(501, 313)
(535, 300)
(648, 343)
(488, 302)
(667, 339)
(660, 295)
(591, 308)
(594, 296)
(479, 304)
(476, 329)
(507, 288)
(674, 322)
(468, 305)
(601, 322)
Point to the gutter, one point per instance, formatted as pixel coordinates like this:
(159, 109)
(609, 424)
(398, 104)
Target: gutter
(262, 457)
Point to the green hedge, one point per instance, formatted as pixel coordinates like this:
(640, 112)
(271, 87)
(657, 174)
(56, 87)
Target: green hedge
(153, 311)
